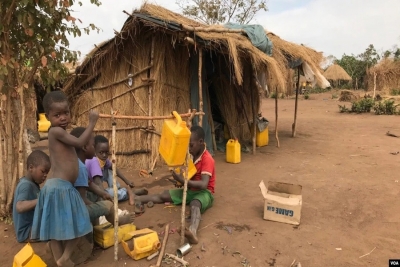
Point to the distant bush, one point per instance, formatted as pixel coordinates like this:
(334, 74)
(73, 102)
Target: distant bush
(386, 107)
(273, 95)
(335, 96)
(395, 91)
(365, 105)
(306, 96)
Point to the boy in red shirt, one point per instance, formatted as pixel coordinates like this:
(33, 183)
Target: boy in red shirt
(200, 187)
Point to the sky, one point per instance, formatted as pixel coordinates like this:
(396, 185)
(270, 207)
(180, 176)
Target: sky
(335, 27)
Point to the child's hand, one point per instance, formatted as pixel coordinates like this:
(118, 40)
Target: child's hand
(93, 116)
(178, 177)
(107, 196)
(130, 184)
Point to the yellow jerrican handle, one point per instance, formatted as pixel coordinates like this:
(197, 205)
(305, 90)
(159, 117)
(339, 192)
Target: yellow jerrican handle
(178, 118)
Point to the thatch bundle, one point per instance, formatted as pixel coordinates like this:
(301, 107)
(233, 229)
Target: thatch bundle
(387, 74)
(348, 96)
(336, 73)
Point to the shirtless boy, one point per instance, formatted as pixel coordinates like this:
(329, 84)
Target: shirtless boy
(200, 187)
(61, 215)
(83, 184)
(26, 194)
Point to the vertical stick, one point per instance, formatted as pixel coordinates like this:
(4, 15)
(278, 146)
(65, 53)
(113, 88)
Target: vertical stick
(21, 135)
(200, 86)
(114, 172)
(183, 224)
(276, 118)
(2, 182)
(150, 99)
(211, 121)
(164, 243)
(254, 130)
(374, 84)
(295, 103)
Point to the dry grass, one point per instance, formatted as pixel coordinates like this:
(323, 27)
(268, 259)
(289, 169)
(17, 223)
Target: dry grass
(387, 75)
(336, 73)
(348, 96)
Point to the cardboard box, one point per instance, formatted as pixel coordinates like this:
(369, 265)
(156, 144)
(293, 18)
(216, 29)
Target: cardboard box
(282, 202)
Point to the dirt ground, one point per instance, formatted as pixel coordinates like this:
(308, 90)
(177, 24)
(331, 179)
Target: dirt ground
(350, 197)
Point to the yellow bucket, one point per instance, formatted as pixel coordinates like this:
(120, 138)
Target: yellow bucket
(26, 257)
(104, 234)
(174, 142)
(233, 151)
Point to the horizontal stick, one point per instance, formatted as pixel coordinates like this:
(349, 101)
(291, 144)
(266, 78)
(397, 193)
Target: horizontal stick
(185, 115)
(134, 152)
(124, 129)
(209, 29)
(183, 262)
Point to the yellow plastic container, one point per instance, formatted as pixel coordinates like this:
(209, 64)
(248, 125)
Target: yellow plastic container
(191, 170)
(233, 151)
(262, 138)
(43, 123)
(26, 257)
(104, 234)
(174, 141)
(145, 242)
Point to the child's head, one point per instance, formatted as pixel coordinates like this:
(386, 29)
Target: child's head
(102, 147)
(196, 144)
(56, 107)
(88, 149)
(38, 166)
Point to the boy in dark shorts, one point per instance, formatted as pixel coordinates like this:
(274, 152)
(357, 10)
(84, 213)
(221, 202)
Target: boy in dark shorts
(61, 215)
(26, 194)
(82, 184)
(200, 187)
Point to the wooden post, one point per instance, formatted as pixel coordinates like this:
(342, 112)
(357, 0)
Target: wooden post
(200, 86)
(150, 99)
(254, 126)
(295, 103)
(164, 244)
(211, 121)
(276, 118)
(184, 115)
(374, 84)
(183, 211)
(114, 172)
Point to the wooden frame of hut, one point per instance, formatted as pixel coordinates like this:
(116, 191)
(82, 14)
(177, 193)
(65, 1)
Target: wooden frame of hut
(156, 64)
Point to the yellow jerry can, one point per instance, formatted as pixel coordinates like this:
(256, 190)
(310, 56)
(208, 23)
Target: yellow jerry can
(191, 170)
(145, 242)
(104, 234)
(174, 141)
(26, 257)
(43, 123)
(262, 138)
(233, 151)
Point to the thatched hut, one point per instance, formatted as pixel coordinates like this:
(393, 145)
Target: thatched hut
(384, 76)
(336, 74)
(152, 67)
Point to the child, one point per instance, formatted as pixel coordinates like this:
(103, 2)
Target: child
(100, 169)
(26, 193)
(60, 214)
(82, 184)
(200, 187)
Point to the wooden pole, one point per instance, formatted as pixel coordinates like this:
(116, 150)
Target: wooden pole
(211, 121)
(374, 84)
(200, 86)
(114, 172)
(183, 211)
(254, 126)
(164, 243)
(276, 118)
(150, 99)
(185, 115)
(295, 103)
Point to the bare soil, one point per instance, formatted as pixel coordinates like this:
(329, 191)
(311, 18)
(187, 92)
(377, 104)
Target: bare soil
(350, 197)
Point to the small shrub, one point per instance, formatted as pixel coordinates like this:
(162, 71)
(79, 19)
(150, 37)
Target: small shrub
(335, 96)
(386, 107)
(395, 91)
(343, 109)
(306, 96)
(273, 95)
(317, 90)
(364, 105)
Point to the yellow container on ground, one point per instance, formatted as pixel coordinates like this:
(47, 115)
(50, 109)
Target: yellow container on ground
(145, 242)
(233, 151)
(26, 257)
(174, 141)
(43, 123)
(262, 138)
(104, 234)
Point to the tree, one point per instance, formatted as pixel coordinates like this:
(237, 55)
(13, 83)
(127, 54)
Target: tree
(222, 11)
(33, 42)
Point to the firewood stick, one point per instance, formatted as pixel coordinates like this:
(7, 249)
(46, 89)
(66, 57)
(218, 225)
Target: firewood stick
(114, 172)
(175, 258)
(164, 243)
(200, 86)
(183, 224)
(276, 118)
(185, 115)
(296, 103)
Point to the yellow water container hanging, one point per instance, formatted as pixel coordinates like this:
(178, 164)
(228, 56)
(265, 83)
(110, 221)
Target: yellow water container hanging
(233, 151)
(191, 170)
(145, 242)
(262, 138)
(174, 141)
(104, 234)
(26, 257)
(43, 123)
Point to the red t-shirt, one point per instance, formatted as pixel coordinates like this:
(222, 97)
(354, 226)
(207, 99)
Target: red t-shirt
(205, 165)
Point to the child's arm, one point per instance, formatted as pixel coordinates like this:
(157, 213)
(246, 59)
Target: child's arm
(93, 187)
(82, 192)
(26, 205)
(202, 184)
(71, 140)
(123, 178)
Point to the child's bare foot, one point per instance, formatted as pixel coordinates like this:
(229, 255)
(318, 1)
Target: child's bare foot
(141, 192)
(131, 197)
(65, 263)
(191, 237)
(126, 219)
